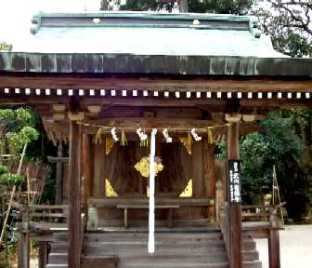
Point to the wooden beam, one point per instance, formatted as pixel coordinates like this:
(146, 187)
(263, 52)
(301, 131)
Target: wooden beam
(74, 220)
(235, 235)
(155, 83)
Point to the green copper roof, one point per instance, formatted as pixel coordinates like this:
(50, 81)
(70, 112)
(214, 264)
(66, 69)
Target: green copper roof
(147, 34)
(130, 42)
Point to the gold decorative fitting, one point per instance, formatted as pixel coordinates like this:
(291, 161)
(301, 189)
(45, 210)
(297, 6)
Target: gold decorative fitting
(109, 144)
(210, 135)
(187, 142)
(143, 166)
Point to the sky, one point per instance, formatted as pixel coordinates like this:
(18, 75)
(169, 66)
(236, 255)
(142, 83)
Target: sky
(15, 15)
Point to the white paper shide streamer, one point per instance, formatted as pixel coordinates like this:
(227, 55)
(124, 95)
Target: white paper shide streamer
(114, 134)
(166, 136)
(151, 212)
(142, 135)
(195, 136)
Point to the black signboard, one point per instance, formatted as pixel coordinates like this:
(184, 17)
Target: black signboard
(234, 180)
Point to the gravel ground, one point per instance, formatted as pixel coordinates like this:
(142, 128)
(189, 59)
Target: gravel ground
(296, 247)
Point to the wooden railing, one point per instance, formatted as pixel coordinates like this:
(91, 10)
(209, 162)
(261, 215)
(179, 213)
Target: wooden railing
(42, 213)
(48, 213)
(256, 213)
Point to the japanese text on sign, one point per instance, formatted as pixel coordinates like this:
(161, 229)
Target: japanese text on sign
(234, 173)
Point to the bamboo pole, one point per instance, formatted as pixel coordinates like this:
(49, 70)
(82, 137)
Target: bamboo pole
(19, 170)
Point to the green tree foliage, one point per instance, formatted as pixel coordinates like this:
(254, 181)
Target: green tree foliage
(200, 6)
(281, 142)
(17, 128)
(289, 24)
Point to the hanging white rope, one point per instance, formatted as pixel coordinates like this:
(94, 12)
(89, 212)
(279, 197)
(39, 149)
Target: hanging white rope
(151, 208)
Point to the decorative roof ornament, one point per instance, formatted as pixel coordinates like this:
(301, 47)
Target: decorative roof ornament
(255, 27)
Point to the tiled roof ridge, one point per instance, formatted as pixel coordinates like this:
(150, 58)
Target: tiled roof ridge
(146, 19)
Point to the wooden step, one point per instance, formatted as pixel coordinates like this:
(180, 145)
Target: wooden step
(252, 264)
(250, 255)
(216, 258)
(175, 265)
(159, 236)
(57, 266)
(58, 257)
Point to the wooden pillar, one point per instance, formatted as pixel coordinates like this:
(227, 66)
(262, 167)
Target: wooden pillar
(197, 169)
(274, 242)
(74, 220)
(43, 254)
(59, 176)
(210, 176)
(99, 170)
(24, 250)
(86, 168)
(274, 249)
(233, 195)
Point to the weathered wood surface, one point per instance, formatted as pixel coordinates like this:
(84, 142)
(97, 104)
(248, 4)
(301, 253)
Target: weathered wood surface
(43, 254)
(87, 168)
(59, 176)
(99, 170)
(23, 249)
(182, 202)
(99, 261)
(197, 169)
(152, 82)
(234, 210)
(74, 220)
(126, 206)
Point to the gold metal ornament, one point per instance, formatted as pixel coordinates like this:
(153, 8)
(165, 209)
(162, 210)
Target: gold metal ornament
(109, 144)
(187, 142)
(143, 166)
